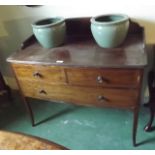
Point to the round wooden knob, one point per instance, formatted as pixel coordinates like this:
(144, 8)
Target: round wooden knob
(37, 74)
(42, 92)
(101, 98)
(99, 79)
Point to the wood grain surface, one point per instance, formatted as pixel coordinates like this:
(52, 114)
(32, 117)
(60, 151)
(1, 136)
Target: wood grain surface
(87, 96)
(83, 51)
(20, 141)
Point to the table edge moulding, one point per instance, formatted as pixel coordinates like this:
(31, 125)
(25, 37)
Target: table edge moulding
(80, 65)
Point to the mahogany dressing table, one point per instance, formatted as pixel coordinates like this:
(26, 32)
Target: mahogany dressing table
(82, 73)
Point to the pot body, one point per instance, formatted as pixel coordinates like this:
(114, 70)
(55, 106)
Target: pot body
(50, 32)
(109, 30)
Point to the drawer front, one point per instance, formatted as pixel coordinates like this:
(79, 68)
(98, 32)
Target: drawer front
(104, 77)
(49, 74)
(81, 95)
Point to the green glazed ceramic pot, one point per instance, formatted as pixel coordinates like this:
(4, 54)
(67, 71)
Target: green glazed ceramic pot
(50, 32)
(109, 30)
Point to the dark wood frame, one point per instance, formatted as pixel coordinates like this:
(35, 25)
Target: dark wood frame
(151, 102)
(4, 88)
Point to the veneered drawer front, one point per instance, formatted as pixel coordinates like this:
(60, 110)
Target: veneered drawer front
(81, 95)
(104, 77)
(49, 74)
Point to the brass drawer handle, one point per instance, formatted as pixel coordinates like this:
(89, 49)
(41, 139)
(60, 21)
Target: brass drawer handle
(42, 92)
(100, 79)
(102, 98)
(37, 75)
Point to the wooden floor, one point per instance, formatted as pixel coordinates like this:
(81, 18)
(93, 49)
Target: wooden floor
(18, 141)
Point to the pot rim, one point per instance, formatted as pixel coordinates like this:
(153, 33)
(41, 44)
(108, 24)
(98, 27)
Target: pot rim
(123, 19)
(36, 25)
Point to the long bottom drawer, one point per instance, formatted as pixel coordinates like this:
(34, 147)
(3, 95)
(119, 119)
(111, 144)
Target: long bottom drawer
(89, 96)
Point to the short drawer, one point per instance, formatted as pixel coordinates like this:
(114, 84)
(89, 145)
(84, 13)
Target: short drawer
(104, 77)
(49, 74)
(81, 95)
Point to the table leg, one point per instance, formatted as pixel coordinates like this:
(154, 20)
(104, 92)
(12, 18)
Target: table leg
(148, 127)
(151, 103)
(29, 109)
(9, 94)
(135, 125)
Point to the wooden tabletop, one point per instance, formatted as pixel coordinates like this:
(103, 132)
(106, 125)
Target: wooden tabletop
(19, 141)
(81, 50)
